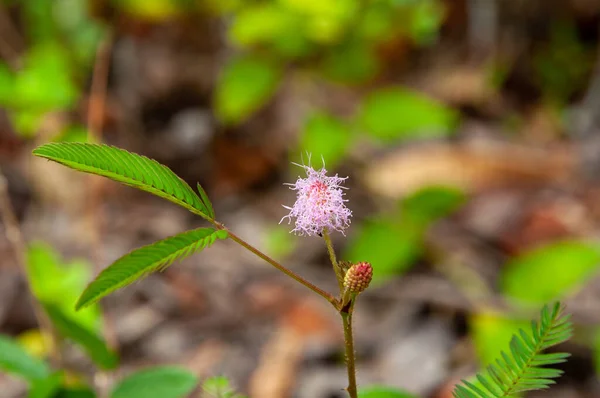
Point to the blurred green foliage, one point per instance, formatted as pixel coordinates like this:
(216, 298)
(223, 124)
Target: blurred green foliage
(218, 387)
(164, 381)
(393, 242)
(383, 392)
(16, 360)
(63, 40)
(245, 85)
(394, 114)
(60, 283)
(550, 272)
(326, 136)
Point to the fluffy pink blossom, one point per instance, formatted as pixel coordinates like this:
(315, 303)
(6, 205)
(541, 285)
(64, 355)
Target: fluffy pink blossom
(319, 204)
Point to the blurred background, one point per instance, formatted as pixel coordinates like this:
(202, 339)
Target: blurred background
(470, 130)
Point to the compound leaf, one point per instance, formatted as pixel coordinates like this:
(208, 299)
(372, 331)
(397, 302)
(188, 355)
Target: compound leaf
(140, 262)
(128, 168)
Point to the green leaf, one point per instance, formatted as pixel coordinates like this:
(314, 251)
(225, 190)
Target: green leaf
(557, 269)
(125, 167)
(159, 382)
(325, 136)
(206, 201)
(75, 393)
(491, 332)
(351, 63)
(219, 387)
(383, 392)
(89, 341)
(431, 203)
(6, 84)
(390, 246)
(45, 81)
(525, 367)
(60, 283)
(245, 85)
(46, 388)
(395, 114)
(393, 243)
(154, 257)
(14, 359)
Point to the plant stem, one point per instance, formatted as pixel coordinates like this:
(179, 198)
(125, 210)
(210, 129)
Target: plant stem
(15, 239)
(346, 314)
(336, 267)
(280, 267)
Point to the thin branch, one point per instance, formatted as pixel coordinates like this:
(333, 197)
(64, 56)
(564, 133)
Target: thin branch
(336, 268)
(93, 216)
(349, 345)
(15, 239)
(280, 267)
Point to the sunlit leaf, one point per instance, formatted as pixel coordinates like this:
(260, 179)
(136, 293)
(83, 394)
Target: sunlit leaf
(549, 272)
(93, 344)
(14, 359)
(159, 382)
(145, 260)
(395, 114)
(245, 85)
(125, 167)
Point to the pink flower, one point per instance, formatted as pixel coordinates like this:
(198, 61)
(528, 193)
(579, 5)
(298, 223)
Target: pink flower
(319, 204)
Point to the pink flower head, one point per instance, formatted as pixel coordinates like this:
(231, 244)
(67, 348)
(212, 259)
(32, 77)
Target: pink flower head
(319, 203)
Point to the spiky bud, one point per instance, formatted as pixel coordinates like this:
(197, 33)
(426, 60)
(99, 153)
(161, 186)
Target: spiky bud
(358, 277)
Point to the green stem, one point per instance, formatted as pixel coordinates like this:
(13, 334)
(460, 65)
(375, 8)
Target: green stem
(280, 267)
(336, 267)
(349, 344)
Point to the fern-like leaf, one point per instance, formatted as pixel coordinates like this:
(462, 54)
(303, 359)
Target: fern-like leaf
(128, 168)
(140, 262)
(525, 368)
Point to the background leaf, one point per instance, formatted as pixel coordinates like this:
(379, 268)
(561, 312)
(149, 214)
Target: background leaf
(93, 344)
(326, 136)
(59, 283)
(246, 84)
(159, 382)
(393, 242)
(394, 114)
(140, 262)
(557, 269)
(46, 388)
(390, 246)
(125, 167)
(383, 392)
(219, 387)
(492, 333)
(14, 359)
